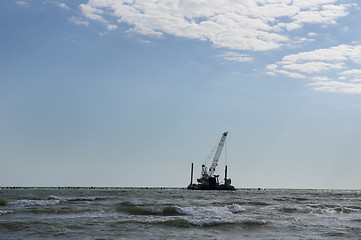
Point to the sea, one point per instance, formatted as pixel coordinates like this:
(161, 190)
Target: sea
(177, 213)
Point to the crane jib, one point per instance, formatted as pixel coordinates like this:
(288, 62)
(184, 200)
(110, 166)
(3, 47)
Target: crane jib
(217, 155)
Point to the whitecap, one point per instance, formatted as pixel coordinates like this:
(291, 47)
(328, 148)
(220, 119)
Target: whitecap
(80, 199)
(210, 211)
(235, 208)
(53, 197)
(74, 199)
(32, 203)
(3, 212)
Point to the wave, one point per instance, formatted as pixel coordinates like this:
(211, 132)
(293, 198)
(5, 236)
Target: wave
(255, 203)
(292, 210)
(3, 212)
(52, 200)
(75, 199)
(19, 226)
(290, 199)
(251, 203)
(223, 222)
(337, 210)
(201, 222)
(209, 211)
(31, 203)
(319, 209)
(136, 210)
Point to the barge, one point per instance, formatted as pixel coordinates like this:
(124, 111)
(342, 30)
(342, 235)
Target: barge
(208, 180)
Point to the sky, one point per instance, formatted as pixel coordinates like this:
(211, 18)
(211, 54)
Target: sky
(129, 93)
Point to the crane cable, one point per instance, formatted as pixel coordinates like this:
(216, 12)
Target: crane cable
(210, 156)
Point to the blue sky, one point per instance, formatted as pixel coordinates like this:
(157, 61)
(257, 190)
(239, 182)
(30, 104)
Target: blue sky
(129, 93)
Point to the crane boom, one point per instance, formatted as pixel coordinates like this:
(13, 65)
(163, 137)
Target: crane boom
(217, 155)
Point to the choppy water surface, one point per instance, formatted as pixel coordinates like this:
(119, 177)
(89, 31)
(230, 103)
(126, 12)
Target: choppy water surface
(118, 213)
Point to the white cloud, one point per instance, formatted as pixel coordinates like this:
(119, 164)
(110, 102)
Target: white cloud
(331, 62)
(95, 14)
(352, 72)
(271, 73)
(320, 78)
(311, 4)
(22, 3)
(336, 86)
(312, 34)
(272, 66)
(312, 67)
(235, 56)
(78, 21)
(59, 4)
(289, 74)
(296, 42)
(253, 25)
(103, 33)
(244, 25)
(338, 53)
(353, 75)
(62, 5)
(111, 27)
(92, 13)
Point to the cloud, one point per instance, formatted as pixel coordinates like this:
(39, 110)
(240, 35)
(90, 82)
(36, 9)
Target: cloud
(111, 27)
(59, 4)
(92, 13)
(329, 69)
(334, 54)
(145, 41)
(244, 25)
(287, 73)
(320, 78)
(235, 56)
(78, 21)
(22, 3)
(312, 67)
(352, 72)
(324, 14)
(356, 80)
(312, 34)
(336, 86)
(62, 5)
(95, 14)
(251, 25)
(272, 67)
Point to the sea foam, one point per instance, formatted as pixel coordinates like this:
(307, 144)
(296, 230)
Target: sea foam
(74, 199)
(211, 210)
(32, 203)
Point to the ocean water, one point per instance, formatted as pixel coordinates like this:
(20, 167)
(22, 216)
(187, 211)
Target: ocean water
(121, 213)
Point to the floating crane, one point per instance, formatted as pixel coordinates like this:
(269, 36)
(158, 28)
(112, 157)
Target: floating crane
(208, 180)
